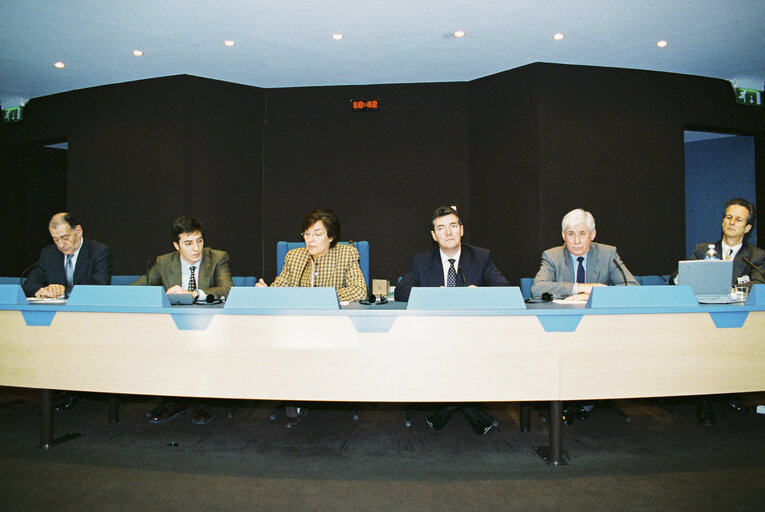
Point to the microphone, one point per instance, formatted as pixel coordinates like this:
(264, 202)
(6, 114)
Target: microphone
(464, 281)
(754, 267)
(24, 272)
(619, 266)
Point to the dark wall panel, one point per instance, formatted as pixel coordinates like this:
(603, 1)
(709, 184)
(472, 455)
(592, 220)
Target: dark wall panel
(382, 172)
(504, 170)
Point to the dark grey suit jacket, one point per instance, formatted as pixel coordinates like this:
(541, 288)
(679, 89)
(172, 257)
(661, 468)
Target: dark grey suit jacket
(94, 266)
(740, 267)
(557, 274)
(214, 277)
(476, 267)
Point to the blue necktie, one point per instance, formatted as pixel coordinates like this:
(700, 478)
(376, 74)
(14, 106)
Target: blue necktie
(451, 275)
(580, 270)
(69, 271)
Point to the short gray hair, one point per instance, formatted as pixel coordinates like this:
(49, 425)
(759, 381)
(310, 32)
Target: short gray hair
(576, 217)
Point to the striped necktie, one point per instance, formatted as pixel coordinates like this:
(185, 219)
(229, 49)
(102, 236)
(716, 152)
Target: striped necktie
(192, 280)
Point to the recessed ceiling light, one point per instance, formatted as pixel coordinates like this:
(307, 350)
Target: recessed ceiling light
(229, 42)
(558, 36)
(662, 44)
(137, 53)
(337, 37)
(59, 65)
(459, 33)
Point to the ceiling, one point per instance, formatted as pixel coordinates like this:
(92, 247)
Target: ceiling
(289, 43)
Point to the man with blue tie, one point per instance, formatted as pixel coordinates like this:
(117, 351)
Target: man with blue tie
(71, 260)
(575, 268)
(452, 263)
(572, 270)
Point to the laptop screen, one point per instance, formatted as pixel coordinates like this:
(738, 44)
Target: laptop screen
(706, 277)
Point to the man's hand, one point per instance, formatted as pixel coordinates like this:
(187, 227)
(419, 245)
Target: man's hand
(51, 291)
(261, 283)
(587, 287)
(177, 289)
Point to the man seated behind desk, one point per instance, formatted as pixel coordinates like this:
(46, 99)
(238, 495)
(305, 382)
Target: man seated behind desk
(579, 265)
(748, 263)
(194, 269)
(71, 260)
(452, 263)
(572, 270)
(748, 260)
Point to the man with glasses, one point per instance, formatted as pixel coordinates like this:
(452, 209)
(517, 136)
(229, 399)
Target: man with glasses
(452, 263)
(71, 260)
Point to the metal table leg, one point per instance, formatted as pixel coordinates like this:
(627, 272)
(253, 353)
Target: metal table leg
(525, 417)
(46, 423)
(553, 454)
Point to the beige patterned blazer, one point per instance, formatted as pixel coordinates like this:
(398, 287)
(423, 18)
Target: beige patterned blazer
(338, 268)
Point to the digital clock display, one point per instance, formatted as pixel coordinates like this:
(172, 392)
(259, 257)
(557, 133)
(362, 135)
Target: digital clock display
(365, 105)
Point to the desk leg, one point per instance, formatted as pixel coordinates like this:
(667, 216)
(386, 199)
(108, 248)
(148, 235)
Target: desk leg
(525, 416)
(46, 423)
(553, 454)
(46, 419)
(114, 408)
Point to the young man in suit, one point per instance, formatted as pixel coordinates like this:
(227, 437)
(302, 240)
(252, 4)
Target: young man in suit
(748, 260)
(579, 265)
(452, 263)
(69, 261)
(194, 269)
(748, 267)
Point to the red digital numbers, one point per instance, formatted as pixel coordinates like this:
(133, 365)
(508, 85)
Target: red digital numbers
(360, 105)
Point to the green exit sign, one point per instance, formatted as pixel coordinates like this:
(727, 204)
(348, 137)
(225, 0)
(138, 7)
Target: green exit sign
(748, 96)
(13, 114)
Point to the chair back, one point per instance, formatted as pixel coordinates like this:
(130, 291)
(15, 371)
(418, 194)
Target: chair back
(526, 283)
(282, 248)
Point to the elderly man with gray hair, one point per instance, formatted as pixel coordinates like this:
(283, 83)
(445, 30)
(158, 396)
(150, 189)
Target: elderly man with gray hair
(573, 269)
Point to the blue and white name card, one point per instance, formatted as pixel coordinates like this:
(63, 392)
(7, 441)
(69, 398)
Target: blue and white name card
(466, 298)
(641, 297)
(12, 294)
(118, 296)
(275, 297)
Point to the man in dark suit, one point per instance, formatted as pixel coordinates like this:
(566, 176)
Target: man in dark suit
(573, 269)
(70, 261)
(193, 269)
(748, 260)
(452, 263)
(748, 267)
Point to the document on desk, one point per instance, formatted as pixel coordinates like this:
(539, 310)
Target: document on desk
(46, 300)
(573, 299)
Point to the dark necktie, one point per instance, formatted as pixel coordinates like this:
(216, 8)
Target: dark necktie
(192, 280)
(580, 270)
(451, 275)
(69, 271)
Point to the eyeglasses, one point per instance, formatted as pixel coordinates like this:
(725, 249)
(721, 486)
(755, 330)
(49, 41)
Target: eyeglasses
(316, 234)
(452, 227)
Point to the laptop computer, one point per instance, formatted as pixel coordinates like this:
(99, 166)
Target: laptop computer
(710, 279)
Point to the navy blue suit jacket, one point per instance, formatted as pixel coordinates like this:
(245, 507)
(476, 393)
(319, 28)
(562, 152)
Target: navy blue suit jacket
(476, 267)
(94, 266)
